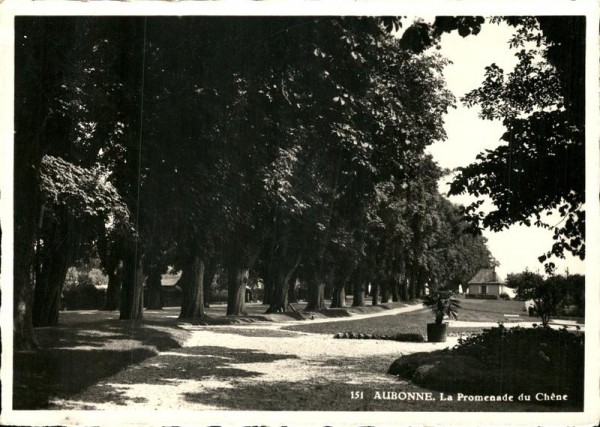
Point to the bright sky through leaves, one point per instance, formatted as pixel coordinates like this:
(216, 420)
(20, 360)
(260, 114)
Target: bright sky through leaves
(518, 247)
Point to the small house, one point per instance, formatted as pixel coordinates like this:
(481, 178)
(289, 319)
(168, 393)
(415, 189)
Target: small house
(486, 282)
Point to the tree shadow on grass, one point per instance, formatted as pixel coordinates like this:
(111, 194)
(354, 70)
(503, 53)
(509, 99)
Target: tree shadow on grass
(72, 358)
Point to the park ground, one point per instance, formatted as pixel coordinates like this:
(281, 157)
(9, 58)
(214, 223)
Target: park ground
(93, 361)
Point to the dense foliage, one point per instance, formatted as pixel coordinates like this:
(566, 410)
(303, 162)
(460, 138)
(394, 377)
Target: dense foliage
(540, 167)
(290, 149)
(537, 360)
(531, 363)
(553, 296)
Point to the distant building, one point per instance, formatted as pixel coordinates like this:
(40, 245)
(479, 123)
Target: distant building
(486, 282)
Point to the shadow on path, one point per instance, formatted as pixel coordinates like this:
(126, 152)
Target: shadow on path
(72, 358)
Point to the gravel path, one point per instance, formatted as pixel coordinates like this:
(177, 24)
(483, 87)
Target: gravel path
(256, 366)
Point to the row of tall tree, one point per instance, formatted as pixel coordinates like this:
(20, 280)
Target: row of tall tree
(289, 147)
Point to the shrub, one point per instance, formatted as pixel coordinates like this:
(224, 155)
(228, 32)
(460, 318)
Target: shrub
(83, 289)
(504, 296)
(481, 296)
(501, 360)
(539, 357)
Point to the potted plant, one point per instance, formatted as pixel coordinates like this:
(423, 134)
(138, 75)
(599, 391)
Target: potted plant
(442, 303)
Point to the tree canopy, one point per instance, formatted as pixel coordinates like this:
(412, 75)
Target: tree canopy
(539, 169)
(292, 147)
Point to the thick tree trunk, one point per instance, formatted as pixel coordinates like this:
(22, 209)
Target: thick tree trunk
(358, 292)
(47, 298)
(395, 292)
(237, 279)
(23, 335)
(268, 289)
(192, 301)
(338, 299)
(132, 295)
(404, 288)
(329, 283)
(280, 301)
(292, 295)
(385, 291)
(209, 276)
(113, 291)
(316, 295)
(375, 293)
(154, 299)
(412, 287)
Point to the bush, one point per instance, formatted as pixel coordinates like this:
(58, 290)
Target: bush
(481, 296)
(84, 289)
(501, 360)
(504, 296)
(534, 359)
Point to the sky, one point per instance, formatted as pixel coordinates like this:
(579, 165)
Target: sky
(517, 248)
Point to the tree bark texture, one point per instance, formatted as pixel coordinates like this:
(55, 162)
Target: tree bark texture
(412, 291)
(237, 279)
(375, 293)
(404, 288)
(48, 288)
(283, 273)
(316, 295)
(358, 292)
(338, 299)
(154, 299)
(192, 298)
(132, 295)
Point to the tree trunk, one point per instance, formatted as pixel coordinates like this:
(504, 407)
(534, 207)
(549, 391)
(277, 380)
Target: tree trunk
(154, 290)
(192, 301)
(113, 291)
(47, 297)
(404, 288)
(23, 334)
(339, 297)
(385, 291)
(268, 289)
(292, 295)
(328, 290)
(279, 302)
(375, 292)
(132, 295)
(316, 295)
(237, 279)
(412, 285)
(209, 276)
(395, 292)
(358, 291)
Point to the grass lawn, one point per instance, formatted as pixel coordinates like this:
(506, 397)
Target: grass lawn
(416, 322)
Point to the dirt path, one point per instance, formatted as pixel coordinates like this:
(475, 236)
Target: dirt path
(258, 366)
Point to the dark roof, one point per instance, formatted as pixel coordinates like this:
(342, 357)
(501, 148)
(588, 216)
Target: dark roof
(486, 275)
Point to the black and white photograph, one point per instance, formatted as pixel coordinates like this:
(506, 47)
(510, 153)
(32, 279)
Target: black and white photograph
(321, 217)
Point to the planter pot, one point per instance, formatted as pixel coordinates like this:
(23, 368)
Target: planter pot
(437, 333)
